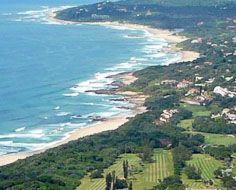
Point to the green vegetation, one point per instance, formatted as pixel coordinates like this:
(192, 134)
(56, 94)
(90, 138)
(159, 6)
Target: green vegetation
(193, 184)
(186, 2)
(234, 163)
(100, 184)
(201, 112)
(206, 165)
(143, 175)
(217, 139)
(188, 131)
(217, 126)
(160, 168)
(172, 182)
(197, 110)
(192, 172)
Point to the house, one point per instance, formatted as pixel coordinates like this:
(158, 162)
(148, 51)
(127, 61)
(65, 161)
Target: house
(149, 13)
(200, 23)
(100, 17)
(171, 83)
(213, 116)
(166, 116)
(220, 90)
(225, 111)
(183, 84)
(214, 45)
(208, 63)
(231, 28)
(229, 78)
(197, 41)
(193, 91)
(197, 78)
(122, 10)
(231, 118)
(211, 80)
(203, 100)
(224, 92)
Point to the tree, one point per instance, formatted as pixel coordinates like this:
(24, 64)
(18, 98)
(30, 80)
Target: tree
(171, 182)
(113, 174)
(108, 181)
(218, 173)
(147, 151)
(130, 185)
(192, 172)
(229, 182)
(180, 155)
(120, 184)
(96, 174)
(125, 168)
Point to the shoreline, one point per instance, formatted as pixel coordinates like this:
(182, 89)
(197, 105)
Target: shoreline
(171, 37)
(108, 124)
(137, 99)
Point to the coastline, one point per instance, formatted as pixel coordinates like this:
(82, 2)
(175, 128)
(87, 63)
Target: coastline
(127, 78)
(171, 37)
(109, 124)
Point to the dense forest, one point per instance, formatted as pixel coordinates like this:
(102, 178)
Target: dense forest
(210, 27)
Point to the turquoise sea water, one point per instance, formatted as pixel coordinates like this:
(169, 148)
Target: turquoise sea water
(45, 69)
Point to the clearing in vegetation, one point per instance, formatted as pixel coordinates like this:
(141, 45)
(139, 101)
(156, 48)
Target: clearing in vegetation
(100, 184)
(143, 175)
(161, 168)
(207, 165)
(197, 110)
(210, 138)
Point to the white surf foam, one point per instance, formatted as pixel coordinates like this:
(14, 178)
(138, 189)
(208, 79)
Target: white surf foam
(40, 16)
(20, 129)
(71, 94)
(119, 27)
(6, 14)
(73, 125)
(36, 133)
(57, 108)
(60, 114)
(100, 81)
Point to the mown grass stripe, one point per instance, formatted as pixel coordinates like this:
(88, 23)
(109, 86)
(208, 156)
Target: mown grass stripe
(164, 165)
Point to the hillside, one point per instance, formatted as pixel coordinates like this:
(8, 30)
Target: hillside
(191, 109)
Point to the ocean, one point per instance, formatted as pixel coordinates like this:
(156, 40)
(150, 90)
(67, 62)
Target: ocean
(46, 69)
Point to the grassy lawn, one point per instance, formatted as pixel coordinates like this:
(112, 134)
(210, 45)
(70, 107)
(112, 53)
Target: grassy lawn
(210, 138)
(207, 165)
(144, 176)
(234, 164)
(219, 139)
(186, 124)
(153, 172)
(197, 110)
(193, 184)
(99, 184)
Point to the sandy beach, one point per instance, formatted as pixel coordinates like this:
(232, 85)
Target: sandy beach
(113, 123)
(171, 37)
(109, 124)
(135, 98)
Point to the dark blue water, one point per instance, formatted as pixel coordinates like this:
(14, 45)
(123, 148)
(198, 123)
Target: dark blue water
(45, 69)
